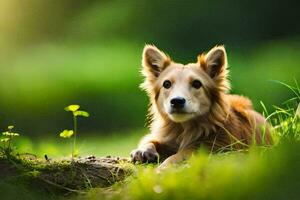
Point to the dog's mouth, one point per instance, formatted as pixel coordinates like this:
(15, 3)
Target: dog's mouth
(179, 115)
(175, 111)
(178, 111)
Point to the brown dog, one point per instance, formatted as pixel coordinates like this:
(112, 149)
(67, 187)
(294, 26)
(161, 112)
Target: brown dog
(190, 108)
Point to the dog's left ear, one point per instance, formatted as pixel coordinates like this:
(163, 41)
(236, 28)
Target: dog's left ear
(214, 62)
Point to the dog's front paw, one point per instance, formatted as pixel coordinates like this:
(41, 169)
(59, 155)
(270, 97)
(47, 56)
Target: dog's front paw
(144, 155)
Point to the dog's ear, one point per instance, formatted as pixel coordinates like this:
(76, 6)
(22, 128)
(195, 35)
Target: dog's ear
(154, 61)
(214, 62)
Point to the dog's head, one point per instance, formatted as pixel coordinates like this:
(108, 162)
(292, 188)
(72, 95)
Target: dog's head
(183, 92)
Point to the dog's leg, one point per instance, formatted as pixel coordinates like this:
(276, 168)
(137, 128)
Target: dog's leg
(146, 151)
(176, 158)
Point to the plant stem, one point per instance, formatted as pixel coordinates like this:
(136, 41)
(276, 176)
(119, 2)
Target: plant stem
(9, 141)
(75, 135)
(8, 147)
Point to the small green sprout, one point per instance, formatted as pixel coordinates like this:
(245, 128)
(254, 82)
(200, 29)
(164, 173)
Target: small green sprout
(9, 136)
(69, 133)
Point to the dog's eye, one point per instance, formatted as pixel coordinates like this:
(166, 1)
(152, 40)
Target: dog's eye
(196, 84)
(167, 84)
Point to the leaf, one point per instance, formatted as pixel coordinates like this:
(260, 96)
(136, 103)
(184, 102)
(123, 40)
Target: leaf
(10, 127)
(66, 133)
(6, 133)
(298, 111)
(15, 134)
(5, 140)
(81, 113)
(72, 107)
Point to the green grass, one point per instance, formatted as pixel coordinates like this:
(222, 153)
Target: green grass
(259, 173)
(114, 144)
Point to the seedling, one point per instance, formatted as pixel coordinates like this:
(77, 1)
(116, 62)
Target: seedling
(69, 133)
(7, 140)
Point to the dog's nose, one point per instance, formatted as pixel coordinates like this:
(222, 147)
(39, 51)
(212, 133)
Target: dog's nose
(177, 102)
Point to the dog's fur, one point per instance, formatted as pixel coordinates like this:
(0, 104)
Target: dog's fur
(210, 117)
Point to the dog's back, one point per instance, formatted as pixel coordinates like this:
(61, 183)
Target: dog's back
(243, 126)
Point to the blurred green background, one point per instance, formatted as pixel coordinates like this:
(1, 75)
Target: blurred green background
(59, 52)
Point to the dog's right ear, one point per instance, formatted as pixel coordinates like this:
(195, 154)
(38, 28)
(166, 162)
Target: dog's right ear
(154, 61)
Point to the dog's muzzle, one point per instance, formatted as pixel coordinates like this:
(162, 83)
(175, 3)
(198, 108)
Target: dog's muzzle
(177, 105)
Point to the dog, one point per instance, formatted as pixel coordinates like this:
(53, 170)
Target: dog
(190, 107)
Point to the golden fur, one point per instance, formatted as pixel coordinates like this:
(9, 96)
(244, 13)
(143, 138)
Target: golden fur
(212, 118)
